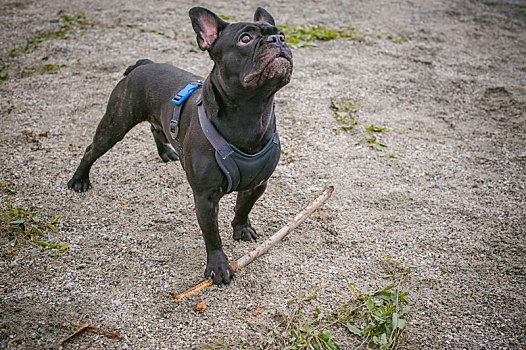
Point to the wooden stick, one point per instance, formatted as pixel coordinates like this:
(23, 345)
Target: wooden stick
(193, 290)
(285, 230)
(270, 242)
(99, 331)
(79, 329)
(88, 328)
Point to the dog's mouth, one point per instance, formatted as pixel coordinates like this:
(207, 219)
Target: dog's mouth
(278, 67)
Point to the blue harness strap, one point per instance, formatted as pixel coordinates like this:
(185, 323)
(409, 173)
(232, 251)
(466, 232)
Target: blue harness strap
(187, 91)
(179, 98)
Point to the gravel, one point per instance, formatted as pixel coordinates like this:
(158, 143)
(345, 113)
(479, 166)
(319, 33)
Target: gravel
(452, 203)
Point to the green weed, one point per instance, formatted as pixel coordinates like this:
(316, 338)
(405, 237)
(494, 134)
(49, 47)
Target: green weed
(381, 313)
(289, 155)
(45, 69)
(372, 139)
(23, 225)
(376, 129)
(346, 112)
(221, 345)
(153, 31)
(3, 75)
(376, 319)
(74, 24)
(34, 138)
(227, 18)
(51, 68)
(400, 39)
(28, 70)
(78, 18)
(306, 35)
(299, 331)
(3, 66)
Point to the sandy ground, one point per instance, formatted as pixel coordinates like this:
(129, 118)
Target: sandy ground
(452, 203)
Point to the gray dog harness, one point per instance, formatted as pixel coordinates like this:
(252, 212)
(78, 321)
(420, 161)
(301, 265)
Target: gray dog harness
(243, 171)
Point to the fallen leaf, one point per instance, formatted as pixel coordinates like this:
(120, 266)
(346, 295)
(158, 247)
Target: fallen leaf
(201, 306)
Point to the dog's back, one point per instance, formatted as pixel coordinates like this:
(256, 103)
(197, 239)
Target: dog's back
(137, 64)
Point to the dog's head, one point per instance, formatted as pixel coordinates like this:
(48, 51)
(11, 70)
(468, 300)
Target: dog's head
(247, 54)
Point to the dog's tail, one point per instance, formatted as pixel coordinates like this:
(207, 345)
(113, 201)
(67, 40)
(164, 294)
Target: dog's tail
(137, 64)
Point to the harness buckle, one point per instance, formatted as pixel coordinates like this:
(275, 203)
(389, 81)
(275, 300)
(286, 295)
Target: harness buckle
(186, 92)
(225, 151)
(174, 128)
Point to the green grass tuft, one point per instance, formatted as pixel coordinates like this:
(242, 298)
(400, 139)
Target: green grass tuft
(22, 225)
(306, 36)
(376, 319)
(346, 113)
(74, 24)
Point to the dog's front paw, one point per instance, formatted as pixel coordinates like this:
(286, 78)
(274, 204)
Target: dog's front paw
(218, 268)
(79, 185)
(244, 232)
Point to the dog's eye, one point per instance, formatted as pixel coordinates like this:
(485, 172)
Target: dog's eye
(245, 39)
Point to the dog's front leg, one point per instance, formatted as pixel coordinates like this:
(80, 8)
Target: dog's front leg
(241, 223)
(217, 265)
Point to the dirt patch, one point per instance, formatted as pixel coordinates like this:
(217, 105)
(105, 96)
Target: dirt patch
(452, 96)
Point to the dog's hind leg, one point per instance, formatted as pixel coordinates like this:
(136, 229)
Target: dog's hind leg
(117, 121)
(166, 152)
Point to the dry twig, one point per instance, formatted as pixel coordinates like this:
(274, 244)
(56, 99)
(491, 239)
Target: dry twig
(88, 328)
(270, 242)
(326, 223)
(79, 329)
(103, 332)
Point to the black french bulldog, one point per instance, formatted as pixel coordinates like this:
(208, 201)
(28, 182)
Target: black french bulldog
(251, 63)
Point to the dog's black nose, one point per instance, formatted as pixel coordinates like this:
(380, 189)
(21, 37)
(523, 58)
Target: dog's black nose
(277, 39)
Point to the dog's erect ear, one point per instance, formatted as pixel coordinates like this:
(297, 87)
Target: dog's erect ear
(206, 25)
(262, 15)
